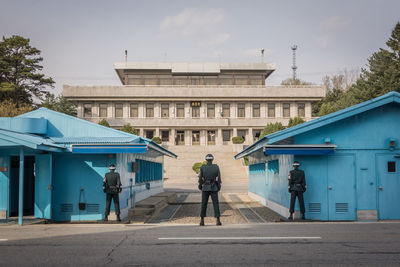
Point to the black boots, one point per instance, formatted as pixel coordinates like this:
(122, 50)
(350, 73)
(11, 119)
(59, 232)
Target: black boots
(202, 221)
(106, 218)
(290, 217)
(118, 218)
(303, 217)
(218, 221)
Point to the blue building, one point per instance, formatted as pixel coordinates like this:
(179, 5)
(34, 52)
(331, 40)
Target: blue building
(351, 159)
(50, 162)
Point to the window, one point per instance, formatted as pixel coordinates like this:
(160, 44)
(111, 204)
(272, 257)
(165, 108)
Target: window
(210, 110)
(165, 136)
(180, 80)
(256, 80)
(226, 135)
(180, 110)
(391, 166)
(103, 110)
(286, 110)
(211, 80)
(149, 134)
(256, 110)
(242, 133)
(195, 80)
(256, 134)
(301, 111)
(134, 110)
(87, 110)
(241, 79)
(273, 166)
(165, 79)
(135, 80)
(241, 111)
(226, 79)
(226, 110)
(271, 110)
(180, 138)
(118, 110)
(164, 110)
(149, 110)
(196, 112)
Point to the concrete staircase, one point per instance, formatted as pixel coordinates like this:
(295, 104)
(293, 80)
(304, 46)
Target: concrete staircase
(149, 208)
(180, 170)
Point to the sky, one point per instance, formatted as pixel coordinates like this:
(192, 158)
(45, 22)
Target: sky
(81, 40)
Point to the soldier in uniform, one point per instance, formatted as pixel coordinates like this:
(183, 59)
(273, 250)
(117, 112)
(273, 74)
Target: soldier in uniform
(297, 186)
(209, 184)
(112, 187)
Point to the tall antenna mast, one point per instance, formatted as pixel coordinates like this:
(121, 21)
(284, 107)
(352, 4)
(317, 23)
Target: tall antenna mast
(294, 67)
(126, 56)
(262, 55)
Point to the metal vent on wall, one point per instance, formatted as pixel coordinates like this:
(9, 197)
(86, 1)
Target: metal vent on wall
(66, 207)
(93, 208)
(342, 207)
(314, 207)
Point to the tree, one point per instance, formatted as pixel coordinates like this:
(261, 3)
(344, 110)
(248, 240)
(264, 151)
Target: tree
(156, 140)
(290, 81)
(105, 123)
(295, 121)
(381, 76)
(272, 128)
(129, 129)
(9, 109)
(60, 104)
(20, 77)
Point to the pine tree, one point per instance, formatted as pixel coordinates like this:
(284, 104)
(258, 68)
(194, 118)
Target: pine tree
(20, 77)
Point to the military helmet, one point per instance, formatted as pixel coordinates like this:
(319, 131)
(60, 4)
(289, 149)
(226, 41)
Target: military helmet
(209, 157)
(296, 163)
(112, 167)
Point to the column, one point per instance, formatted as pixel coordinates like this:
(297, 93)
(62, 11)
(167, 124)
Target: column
(278, 110)
(293, 109)
(218, 110)
(79, 110)
(249, 110)
(308, 110)
(21, 186)
(218, 140)
(234, 132)
(110, 110)
(125, 110)
(188, 137)
(263, 110)
(141, 111)
(96, 110)
(249, 138)
(187, 110)
(233, 107)
(157, 110)
(141, 132)
(157, 132)
(203, 137)
(172, 136)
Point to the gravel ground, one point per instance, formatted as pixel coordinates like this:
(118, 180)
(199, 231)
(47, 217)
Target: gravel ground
(265, 213)
(190, 213)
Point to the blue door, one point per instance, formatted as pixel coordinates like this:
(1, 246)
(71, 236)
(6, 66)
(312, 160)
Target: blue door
(388, 173)
(43, 186)
(341, 188)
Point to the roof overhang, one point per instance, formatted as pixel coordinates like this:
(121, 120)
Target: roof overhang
(108, 148)
(323, 149)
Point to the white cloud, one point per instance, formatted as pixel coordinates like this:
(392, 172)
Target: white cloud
(200, 24)
(333, 23)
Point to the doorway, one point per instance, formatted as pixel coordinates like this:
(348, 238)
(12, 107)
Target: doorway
(29, 186)
(180, 138)
(195, 138)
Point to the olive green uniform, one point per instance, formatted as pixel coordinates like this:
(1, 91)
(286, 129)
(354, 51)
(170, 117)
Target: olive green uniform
(209, 184)
(112, 187)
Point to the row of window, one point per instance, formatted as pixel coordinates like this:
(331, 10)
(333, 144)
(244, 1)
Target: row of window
(180, 110)
(211, 135)
(224, 79)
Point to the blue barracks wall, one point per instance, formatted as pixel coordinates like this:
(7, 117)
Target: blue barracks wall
(4, 185)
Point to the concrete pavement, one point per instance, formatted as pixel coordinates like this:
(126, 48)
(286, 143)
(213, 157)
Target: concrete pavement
(348, 244)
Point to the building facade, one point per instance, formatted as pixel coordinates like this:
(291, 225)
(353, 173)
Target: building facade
(350, 157)
(52, 163)
(194, 103)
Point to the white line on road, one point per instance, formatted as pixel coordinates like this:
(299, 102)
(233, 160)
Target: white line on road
(3, 239)
(241, 238)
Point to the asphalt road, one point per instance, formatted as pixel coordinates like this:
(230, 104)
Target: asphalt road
(191, 245)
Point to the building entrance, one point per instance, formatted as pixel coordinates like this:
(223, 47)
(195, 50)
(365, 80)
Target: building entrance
(211, 137)
(180, 138)
(195, 138)
(29, 186)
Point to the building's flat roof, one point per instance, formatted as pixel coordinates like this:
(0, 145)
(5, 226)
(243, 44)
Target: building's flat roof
(192, 67)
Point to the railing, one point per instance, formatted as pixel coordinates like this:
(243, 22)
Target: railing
(223, 86)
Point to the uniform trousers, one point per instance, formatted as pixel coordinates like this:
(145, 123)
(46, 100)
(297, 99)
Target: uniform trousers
(299, 195)
(204, 201)
(109, 197)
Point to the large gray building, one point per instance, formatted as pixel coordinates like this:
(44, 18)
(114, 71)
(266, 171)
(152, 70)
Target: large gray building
(194, 103)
